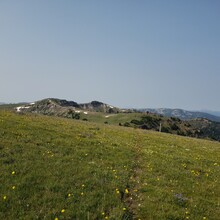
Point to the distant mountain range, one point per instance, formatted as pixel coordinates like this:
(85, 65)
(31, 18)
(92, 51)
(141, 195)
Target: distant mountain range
(181, 114)
(216, 113)
(96, 106)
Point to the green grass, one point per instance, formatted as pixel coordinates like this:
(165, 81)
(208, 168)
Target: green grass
(96, 171)
(111, 119)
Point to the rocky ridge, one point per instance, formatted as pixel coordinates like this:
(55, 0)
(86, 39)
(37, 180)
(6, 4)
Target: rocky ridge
(62, 107)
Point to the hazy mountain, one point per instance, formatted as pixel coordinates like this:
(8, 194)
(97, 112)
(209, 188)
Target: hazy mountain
(216, 113)
(182, 114)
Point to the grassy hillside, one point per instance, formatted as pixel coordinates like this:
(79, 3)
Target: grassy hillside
(55, 168)
(111, 119)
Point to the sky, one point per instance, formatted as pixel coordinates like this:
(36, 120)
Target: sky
(127, 53)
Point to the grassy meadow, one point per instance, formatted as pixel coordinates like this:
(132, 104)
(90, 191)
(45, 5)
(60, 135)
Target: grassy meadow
(55, 168)
(111, 119)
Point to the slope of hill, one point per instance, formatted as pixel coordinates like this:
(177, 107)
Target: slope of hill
(200, 128)
(182, 114)
(206, 129)
(62, 107)
(55, 168)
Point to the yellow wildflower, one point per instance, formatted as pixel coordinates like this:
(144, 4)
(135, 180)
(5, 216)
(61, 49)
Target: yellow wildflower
(124, 209)
(13, 172)
(184, 165)
(4, 197)
(126, 191)
(63, 210)
(13, 187)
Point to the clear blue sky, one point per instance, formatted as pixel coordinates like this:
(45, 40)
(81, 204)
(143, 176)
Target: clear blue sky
(128, 53)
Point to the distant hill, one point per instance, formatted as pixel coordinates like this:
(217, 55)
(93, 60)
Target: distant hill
(200, 127)
(64, 108)
(180, 113)
(216, 113)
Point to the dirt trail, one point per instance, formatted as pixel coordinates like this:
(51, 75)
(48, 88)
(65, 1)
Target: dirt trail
(133, 198)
